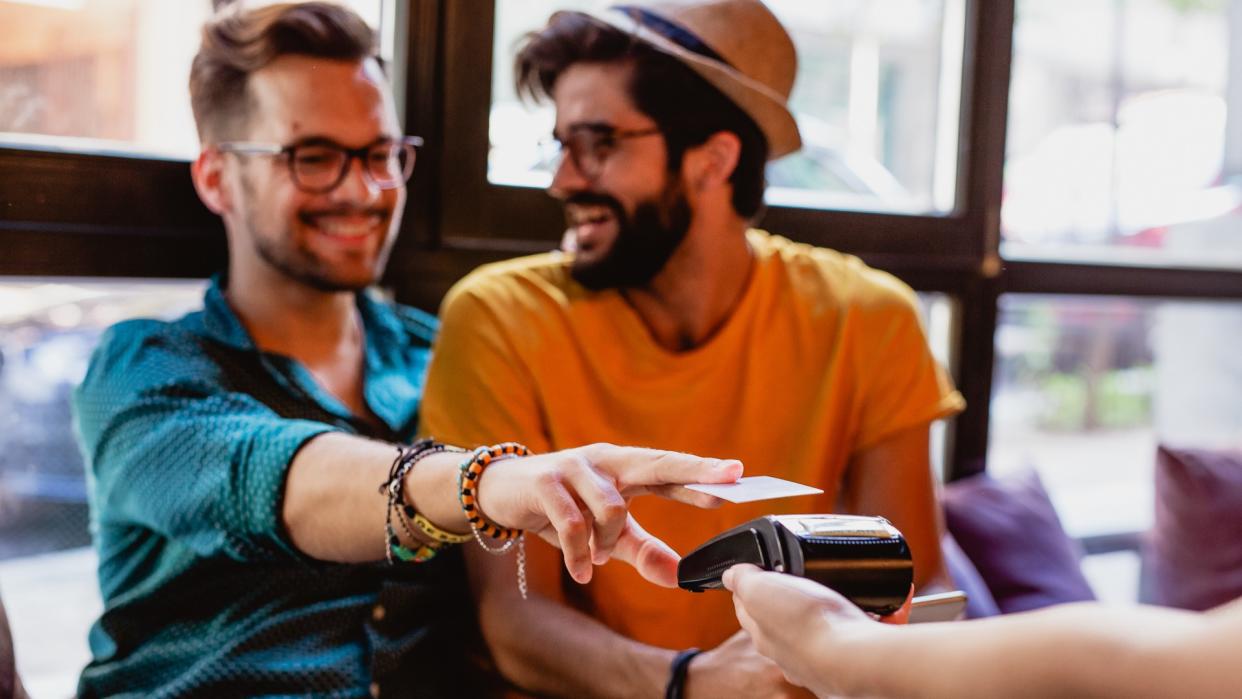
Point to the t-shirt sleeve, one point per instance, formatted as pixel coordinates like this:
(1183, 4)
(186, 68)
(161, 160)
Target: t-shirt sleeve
(479, 390)
(171, 448)
(901, 384)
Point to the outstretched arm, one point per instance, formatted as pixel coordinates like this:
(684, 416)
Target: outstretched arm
(1082, 650)
(575, 499)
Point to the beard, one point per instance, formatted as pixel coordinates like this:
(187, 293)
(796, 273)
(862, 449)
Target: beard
(644, 242)
(304, 266)
(284, 253)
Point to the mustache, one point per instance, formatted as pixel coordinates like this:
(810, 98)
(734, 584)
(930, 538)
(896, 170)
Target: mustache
(591, 199)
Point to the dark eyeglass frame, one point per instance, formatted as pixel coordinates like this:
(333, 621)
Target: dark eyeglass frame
(408, 149)
(590, 145)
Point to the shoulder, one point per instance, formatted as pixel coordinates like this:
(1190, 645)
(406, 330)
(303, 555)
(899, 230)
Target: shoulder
(145, 351)
(531, 283)
(418, 326)
(824, 275)
(135, 336)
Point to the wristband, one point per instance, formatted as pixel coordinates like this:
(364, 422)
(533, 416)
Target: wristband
(678, 671)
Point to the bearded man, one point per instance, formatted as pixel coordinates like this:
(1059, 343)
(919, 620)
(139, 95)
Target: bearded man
(675, 324)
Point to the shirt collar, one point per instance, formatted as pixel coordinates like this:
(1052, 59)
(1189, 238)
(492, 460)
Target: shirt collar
(380, 324)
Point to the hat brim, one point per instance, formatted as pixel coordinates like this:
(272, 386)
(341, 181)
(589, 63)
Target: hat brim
(758, 101)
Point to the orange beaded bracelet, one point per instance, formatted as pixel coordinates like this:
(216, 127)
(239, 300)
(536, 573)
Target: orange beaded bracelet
(468, 494)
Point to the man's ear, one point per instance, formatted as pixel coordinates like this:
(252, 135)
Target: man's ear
(712, 163)
(207, 171)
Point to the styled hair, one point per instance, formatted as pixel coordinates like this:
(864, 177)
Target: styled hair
(687, 108)
(239, 41)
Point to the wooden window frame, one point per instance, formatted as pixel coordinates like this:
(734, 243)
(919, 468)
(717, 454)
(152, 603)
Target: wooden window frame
(77, 215)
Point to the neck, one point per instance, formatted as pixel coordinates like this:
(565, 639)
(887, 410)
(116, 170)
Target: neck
(288, 317)
(697, 291)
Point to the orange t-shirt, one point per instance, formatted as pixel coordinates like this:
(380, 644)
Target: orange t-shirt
(823, 356)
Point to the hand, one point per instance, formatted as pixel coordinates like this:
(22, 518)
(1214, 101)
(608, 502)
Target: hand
(577, 500)
(809, 629)
(736, 669)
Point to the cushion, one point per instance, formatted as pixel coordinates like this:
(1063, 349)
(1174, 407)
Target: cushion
(979, 601)
(1193, 555)
(1010, 531)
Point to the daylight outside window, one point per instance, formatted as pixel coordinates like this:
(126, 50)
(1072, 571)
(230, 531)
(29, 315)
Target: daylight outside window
(1085, 388)
(877, 100)
(48, 329)
(1122, 141)
(108, 76)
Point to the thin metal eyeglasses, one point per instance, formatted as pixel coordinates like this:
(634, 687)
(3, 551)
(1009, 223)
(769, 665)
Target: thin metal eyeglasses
(318, 166)
(589, 146)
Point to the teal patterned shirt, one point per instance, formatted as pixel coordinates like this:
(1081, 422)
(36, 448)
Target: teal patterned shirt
(188, 430)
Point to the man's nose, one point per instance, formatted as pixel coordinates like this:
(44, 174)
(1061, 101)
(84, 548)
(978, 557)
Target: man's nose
(357, 186)
(567, 178)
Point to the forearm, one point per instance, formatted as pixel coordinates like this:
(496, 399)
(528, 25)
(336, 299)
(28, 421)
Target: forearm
(333, 508)
(1073, 651)
(893, 479)
(548, 648)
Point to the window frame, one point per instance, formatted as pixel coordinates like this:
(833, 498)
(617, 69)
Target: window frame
(68, 214)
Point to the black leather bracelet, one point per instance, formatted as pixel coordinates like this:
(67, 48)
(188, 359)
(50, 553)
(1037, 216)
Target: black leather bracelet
(677, 673)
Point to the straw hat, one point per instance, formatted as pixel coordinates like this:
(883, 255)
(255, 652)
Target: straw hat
(736, 45)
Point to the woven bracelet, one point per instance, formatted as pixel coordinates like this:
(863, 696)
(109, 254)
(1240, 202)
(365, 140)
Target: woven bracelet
(407, 517)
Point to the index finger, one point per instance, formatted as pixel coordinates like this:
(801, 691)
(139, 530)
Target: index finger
(678, 493)
(636, 466)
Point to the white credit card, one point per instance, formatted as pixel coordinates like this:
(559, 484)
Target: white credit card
(751, 488)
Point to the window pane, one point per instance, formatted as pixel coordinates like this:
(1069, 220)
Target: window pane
(1122, 144)
(877, 101)
(1085, 388)
(47, 332)
(940, 313)
(104, 75)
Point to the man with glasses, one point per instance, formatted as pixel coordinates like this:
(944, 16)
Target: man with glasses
(252, 538)
(676, 325)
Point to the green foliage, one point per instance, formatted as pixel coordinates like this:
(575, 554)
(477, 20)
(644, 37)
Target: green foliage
(1187, 6)
(1122, 399)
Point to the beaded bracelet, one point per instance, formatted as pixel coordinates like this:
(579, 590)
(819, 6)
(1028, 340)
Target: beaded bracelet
(468, 492)
(394, 550)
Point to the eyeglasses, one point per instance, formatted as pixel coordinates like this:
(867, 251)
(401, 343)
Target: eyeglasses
(590, 145)
(319, 166)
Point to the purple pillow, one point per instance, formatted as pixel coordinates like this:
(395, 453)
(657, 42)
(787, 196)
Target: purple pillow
(1194, 551)
(1010, 531)
(979, 602)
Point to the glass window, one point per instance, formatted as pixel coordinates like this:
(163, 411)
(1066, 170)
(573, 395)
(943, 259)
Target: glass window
(1086, 387)
(940, 313)
(47, 570)
(877, 101)
(105, 75)
(1120, 144)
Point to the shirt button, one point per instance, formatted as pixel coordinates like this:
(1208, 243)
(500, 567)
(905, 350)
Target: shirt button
(378, 612)
(375, 689)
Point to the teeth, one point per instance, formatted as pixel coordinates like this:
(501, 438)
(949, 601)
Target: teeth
(579, 215)
(347, 227)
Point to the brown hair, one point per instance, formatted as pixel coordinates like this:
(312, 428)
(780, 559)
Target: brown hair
(237, 42)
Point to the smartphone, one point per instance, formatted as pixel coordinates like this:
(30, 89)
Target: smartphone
(942, 606)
